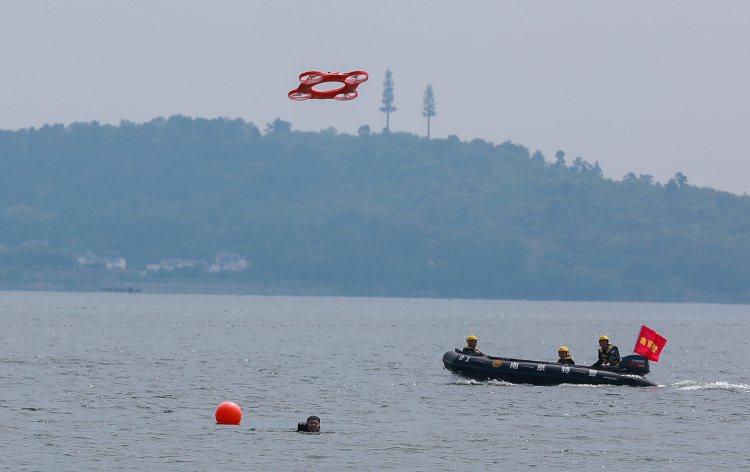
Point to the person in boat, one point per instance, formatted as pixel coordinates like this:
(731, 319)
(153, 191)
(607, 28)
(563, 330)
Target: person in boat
(312, 425)
(609, 355)
(564, 356)
(471, 347)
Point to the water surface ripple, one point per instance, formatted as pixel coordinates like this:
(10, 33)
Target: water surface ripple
(129, 382)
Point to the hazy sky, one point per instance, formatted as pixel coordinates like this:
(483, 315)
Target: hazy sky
(653, 87)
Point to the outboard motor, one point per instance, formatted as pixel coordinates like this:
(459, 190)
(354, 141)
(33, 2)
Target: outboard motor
(634, 364)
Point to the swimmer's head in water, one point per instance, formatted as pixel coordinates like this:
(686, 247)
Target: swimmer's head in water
(313, 424)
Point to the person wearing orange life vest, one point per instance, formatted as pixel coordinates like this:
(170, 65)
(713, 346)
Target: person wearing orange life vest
(609, 355)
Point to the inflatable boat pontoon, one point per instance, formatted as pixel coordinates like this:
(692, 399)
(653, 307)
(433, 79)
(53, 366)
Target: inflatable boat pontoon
(631, 373)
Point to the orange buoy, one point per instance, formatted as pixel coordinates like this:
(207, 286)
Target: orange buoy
(228, 413)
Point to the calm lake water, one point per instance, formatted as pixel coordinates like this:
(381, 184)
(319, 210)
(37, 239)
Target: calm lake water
(130, 382)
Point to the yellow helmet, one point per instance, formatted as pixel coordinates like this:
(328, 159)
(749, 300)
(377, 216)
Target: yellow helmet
(603, 337)
(471, 337)
(563, 349)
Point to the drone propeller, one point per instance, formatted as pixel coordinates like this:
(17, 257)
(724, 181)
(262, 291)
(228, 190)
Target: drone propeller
(342, 97)
(311, 77)
(298, 96)
(356, 77)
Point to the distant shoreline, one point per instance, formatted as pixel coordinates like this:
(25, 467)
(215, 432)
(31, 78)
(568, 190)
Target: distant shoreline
(218, 206)
(251, 289)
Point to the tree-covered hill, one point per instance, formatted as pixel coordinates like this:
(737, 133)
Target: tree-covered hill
(385, 214)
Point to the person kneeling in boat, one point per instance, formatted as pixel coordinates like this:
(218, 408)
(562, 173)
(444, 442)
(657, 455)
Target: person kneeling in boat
(471, 347)
(564, 356)
(609, 355)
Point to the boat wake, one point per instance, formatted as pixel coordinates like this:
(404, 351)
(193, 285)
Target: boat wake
(461, 381)
(688, 385)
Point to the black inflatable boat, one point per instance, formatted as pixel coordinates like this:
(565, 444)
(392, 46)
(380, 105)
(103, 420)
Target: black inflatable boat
(631, 373)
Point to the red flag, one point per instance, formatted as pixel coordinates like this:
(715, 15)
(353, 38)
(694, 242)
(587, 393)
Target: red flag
(649, 344)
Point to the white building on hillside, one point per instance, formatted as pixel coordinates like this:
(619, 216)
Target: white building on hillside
(228, 262)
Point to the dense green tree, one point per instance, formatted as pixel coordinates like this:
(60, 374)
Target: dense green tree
(538, 157)
(363, 130)
(280, 126)
(677, 182)
(581, 165)
(681, 179)
(560, 158)
(597, 169)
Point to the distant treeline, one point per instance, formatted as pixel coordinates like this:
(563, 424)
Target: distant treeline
(380, 214)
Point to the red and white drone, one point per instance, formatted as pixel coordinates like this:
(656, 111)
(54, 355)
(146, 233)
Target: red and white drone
(348, 90)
